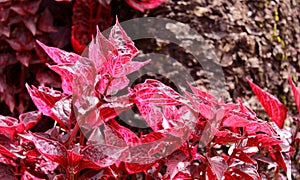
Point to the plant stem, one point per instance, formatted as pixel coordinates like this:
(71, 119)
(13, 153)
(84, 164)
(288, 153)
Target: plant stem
(107, 86)
(73, 134)
(189, 150)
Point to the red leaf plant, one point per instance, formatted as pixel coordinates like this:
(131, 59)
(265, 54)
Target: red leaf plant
(191, 136)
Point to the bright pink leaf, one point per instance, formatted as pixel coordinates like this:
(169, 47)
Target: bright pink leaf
(100, 48)
(45, 98)
(125, 46)
(66, 72)
(274, 108)
(30, 119)
(59, 56)
(296, 92)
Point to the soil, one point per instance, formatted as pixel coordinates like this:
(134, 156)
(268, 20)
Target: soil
(255, 39)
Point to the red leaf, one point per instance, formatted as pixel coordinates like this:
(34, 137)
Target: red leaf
(129, 136)
(30, 119)
(236, 121)
(218, 166)
(263, 140)
(245, 171)
(66, 72)
(249, 112)
(9, 126)
(6, 152)
(173, 162)
(259, 126)
(283, 161)
(226, 136)
(204, 96)
(102, 155)
(28, 176)
(144, 4)
(156, 93)
(133, 168)
(239, 154)
(52, 150)
(74, 160)
(274, 108)
(296, 92)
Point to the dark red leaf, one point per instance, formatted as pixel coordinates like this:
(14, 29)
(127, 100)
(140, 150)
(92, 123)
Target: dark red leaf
(87, 14)
(30, 23)
(22, 8)
(24, 57)
(296, 92)
(7, 172)
(30, 119)
(144, 4)
(45, 22)
(274, 108)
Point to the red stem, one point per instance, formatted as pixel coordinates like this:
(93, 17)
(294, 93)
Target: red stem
(73, 135)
